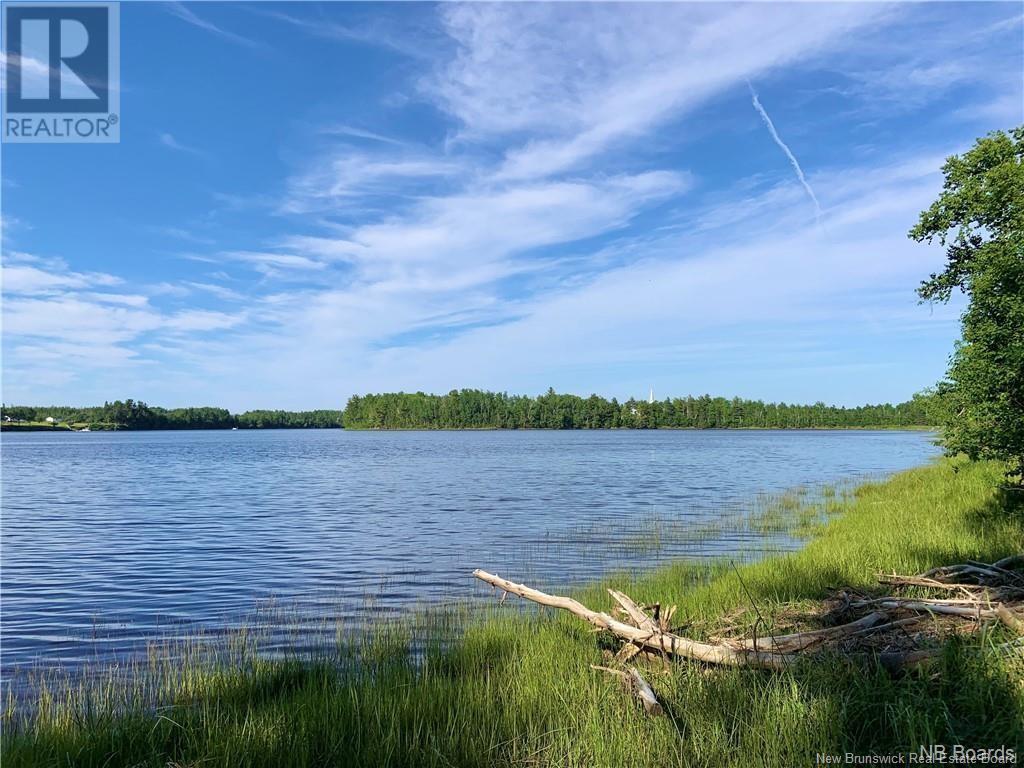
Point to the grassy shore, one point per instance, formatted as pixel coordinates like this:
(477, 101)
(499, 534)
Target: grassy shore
(507, 687)
(33, 426)
(44, 426)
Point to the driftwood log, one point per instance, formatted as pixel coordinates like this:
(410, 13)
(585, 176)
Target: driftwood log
(648, 635)
(968, 609)
(990, 592)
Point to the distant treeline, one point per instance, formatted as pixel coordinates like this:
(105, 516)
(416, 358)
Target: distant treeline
(135, 414)
(475, 409)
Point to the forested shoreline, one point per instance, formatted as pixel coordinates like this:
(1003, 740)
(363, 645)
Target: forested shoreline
(477, 409)
(137, 415)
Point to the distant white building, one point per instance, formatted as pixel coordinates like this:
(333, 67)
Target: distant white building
(650, 400)
(50, 420)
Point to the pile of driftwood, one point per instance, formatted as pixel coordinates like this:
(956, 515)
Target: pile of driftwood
(900, 628)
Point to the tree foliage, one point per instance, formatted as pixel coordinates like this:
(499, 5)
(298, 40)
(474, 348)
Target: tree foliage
(135, 414)
(321, 419)
(979, 219)
(475, 409)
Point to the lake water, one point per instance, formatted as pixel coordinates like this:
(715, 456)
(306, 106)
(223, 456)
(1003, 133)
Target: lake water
(112, 538)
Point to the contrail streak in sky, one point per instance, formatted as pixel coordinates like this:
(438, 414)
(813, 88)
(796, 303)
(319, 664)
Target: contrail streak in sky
(784, 148)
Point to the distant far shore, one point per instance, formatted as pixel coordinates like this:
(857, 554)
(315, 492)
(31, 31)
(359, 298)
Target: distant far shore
(20, 427)
(137, 416)
(474, 409)
(15, 426)
(865, 428)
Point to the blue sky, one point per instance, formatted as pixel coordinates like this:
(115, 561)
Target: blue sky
(315, 200)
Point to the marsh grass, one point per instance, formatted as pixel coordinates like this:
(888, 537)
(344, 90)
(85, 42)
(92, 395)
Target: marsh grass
(498, 686)
(748, 529)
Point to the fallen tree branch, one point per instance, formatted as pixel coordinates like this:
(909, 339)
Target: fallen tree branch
(635, 612)
(1009, 562)
(645, 693)
(896, 580)
(650, 634)
(968, 608)
(890, 625)
(666, 642)
(636, 684)
(983, 574)
(1003, 572)
(801, 640)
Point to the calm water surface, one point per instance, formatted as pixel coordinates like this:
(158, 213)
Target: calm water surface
(110, 538)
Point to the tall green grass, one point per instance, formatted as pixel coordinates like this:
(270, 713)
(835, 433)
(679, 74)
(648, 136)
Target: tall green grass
(507, 687)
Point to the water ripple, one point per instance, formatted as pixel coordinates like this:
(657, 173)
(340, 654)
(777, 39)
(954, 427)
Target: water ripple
(112, 538)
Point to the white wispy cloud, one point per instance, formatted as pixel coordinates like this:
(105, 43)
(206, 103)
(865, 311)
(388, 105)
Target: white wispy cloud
(334, 180)
(453, 240)
(186, 14)
(778, 288)
(789, 154)
(31, 278)
(168, 140)
(269, 259)
(181, 233)
(220, 291)
(787, 290)
(58, 322)
(580, 80)
(28, 65)
(339, 129)
(386, 31)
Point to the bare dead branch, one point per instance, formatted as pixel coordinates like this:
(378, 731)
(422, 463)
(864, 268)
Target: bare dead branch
(659, 641)
(636, 685)
(801, 640)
